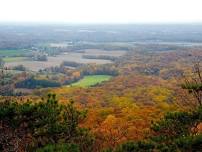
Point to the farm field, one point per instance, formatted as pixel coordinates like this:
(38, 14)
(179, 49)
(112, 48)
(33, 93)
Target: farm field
(11, 53)
(92, 80)
(67, 56)
(14, 59)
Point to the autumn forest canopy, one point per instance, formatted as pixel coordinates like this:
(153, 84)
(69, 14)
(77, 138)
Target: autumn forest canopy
(101, 88)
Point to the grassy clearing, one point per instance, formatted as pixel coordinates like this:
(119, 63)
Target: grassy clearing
(10, 53)
(14, 59)
(92, 80)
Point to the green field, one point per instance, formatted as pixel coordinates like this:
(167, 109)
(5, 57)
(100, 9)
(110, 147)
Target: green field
(12, 53)
(92, 80)
(14, 59)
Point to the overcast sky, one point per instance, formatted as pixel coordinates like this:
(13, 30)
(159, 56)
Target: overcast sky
(101, 11)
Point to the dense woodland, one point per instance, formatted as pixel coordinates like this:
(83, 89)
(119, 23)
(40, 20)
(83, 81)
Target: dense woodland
(152, 102)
